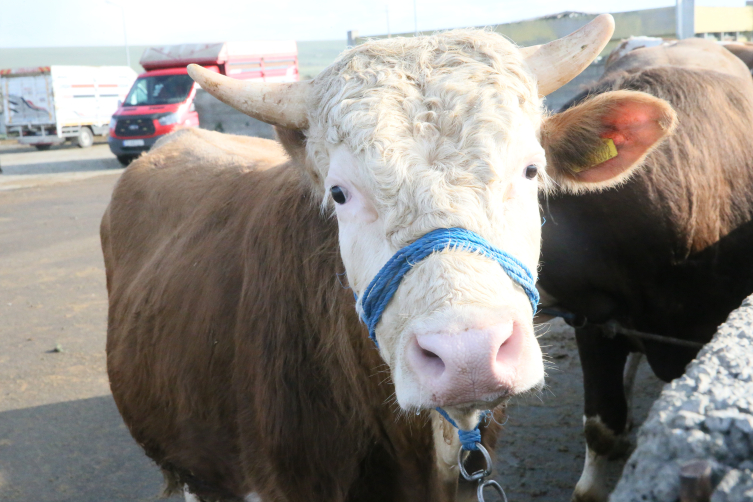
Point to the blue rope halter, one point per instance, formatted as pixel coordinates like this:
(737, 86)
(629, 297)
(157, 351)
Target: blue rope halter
(379, 292)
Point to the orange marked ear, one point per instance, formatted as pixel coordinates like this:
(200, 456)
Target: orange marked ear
(600, 142)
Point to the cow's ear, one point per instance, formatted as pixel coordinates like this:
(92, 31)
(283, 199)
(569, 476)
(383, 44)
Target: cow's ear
(600, 142)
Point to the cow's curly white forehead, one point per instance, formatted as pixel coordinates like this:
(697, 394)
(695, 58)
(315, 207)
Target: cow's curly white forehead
(421, 113)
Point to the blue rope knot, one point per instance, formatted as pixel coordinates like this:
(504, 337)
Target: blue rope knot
(469, 440)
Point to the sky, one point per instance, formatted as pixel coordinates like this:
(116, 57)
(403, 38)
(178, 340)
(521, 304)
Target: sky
(67, 23)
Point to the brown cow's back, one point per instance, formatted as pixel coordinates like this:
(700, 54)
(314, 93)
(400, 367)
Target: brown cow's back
(692, 53)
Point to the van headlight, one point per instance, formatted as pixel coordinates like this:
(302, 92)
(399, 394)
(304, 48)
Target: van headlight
(170, 118)
(113, 123)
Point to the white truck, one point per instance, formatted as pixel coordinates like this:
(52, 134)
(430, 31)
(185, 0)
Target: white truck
(48, 105)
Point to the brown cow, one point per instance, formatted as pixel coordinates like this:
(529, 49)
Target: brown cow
(743, 50)
(235, 353)
(632, 43)
(669, 252)
(691, 53)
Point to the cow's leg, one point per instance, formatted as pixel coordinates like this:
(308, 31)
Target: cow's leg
(603, 362)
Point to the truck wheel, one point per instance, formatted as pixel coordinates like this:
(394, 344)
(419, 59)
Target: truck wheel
(42, 147)
(126, 159)
(85, 138)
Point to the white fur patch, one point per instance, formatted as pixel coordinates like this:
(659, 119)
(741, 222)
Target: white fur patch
(447, 445)
(190, 497)
(591, 486)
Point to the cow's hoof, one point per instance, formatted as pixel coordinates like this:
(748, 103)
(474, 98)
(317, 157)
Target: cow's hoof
(590, 490)
(590, 496)
(591, 486)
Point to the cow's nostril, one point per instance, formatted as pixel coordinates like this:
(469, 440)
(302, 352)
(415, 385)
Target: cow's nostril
(467, 365)
(508, 348)
(500, 354)
(428, 361)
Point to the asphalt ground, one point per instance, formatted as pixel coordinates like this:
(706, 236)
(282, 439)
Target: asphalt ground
(61, 438)
(18, 159)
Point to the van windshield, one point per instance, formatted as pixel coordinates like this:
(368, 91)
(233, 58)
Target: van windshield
(159, 90)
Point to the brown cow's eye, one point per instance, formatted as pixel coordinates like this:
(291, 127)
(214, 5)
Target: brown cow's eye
(338, 194)
(531, 172)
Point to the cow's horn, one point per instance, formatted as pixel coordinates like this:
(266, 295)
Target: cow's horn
(278, 104)
(557, 63)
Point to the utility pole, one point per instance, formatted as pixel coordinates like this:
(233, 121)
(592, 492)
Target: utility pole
(415, 19)
(685, 19)
(352, 35)
(387, 11)
(125, 31)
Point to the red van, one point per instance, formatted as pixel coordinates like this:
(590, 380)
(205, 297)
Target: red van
(162, 99)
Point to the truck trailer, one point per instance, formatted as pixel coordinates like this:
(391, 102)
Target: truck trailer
(48, 105)
(162, 99)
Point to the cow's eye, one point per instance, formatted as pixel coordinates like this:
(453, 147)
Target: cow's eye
(531, 171)
(338, 194)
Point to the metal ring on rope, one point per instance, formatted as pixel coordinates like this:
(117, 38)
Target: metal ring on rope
(493, 484)
(478, 474)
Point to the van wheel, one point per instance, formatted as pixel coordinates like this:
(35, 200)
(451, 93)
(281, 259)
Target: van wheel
(85, 138)
(126, 159)
(42, 147)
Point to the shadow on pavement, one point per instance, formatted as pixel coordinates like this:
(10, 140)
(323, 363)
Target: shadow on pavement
(12, 146)
(65, 166)
(78, 451)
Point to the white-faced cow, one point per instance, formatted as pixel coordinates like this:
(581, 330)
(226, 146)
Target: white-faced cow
(669, 252)
(235, 351)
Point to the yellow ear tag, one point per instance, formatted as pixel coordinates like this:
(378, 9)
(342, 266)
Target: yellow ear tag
(606, 151)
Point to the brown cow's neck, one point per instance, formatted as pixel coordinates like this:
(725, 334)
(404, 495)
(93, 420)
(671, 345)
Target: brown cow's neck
(323, 355)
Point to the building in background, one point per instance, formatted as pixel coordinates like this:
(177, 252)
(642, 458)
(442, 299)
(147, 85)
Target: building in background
(717, 23)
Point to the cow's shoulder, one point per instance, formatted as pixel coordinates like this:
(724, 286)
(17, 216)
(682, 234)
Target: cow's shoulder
(183, 182)
(189, 169)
